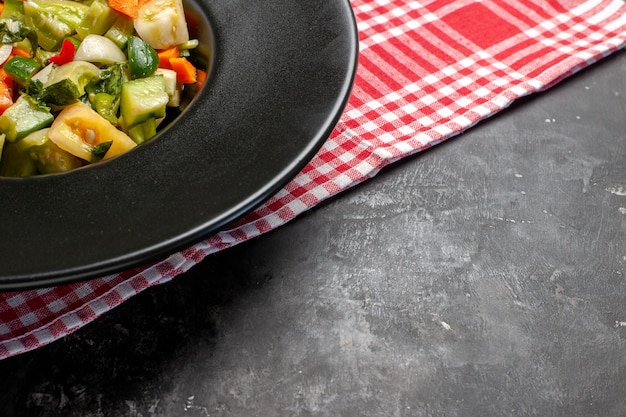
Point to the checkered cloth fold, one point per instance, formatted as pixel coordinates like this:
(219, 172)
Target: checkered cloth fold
(428, 70)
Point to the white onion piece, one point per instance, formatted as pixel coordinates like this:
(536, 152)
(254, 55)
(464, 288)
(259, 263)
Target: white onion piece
(5, 52)
(43, 74)
(96, 48)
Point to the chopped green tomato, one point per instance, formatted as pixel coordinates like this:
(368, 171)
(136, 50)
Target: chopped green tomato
(97, 20)
(80, 73)
(16, 163)
(50, 31)
(78, 129)
(69, 11)
(106, 105)
(21, 69)
(142, 99)
(161, 23)
(99, 49)
(36, 138)
(48, 157)
(143, 131)
(53, 20)
(142, 58)
(13, 9)
(23, 117)
(120, 31)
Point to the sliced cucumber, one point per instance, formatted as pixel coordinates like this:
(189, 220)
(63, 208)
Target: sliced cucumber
(23, 117)
(143, 131)
(142, 99)
(21, 69)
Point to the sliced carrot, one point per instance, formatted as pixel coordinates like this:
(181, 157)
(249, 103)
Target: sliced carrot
(6, 96)
(166, 54)
(201, 78)
(129, 8)
(186, 73)
(20, 52)
(4, 77)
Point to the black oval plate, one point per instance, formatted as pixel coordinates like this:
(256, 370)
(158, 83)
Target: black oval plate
(281, 75)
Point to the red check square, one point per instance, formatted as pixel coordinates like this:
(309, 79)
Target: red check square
(480, 25)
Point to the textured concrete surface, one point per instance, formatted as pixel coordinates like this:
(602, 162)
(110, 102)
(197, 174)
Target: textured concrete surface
(485, 277)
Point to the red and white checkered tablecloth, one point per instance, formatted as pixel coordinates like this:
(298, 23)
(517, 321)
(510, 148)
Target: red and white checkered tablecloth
(428, 70)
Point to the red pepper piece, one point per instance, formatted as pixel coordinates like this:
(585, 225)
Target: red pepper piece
(65, 55)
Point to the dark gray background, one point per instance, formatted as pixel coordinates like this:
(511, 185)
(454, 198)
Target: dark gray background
(484, 277)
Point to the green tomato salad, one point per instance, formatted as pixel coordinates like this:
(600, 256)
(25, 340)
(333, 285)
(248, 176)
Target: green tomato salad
(84, 81)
